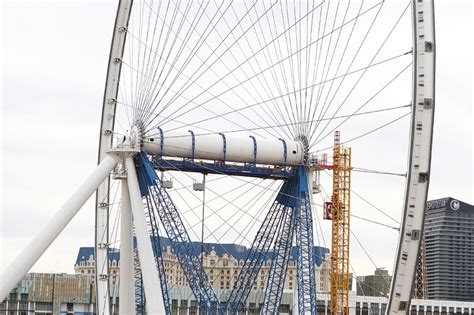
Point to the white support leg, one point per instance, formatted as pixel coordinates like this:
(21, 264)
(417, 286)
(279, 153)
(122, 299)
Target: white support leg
(151, 281)
(13, 274)
(127, 292)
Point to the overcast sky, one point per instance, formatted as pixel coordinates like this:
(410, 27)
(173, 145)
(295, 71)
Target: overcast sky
(54, 60)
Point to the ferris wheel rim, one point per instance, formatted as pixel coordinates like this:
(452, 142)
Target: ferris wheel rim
(105, 142)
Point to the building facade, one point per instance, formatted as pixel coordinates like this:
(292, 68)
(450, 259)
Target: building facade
(62, 294)
(449, 250)
(55, 294)
(222, 263)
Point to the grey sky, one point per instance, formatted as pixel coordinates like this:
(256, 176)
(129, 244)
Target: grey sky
(54, 60)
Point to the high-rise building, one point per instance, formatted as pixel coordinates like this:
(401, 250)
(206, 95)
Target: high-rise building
(449, 245)
(377, 284)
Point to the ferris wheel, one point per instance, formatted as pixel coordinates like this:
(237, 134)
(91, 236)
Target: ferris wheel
(251, 122)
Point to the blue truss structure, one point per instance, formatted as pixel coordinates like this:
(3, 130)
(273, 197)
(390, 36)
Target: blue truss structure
(290, 214)
(221, 168)
(155, 239)
(156, 244)
(138, 281)
(150, 185)
(257, 255)
(289, 217)
(304, 243)
(279, 266)
(139, 289)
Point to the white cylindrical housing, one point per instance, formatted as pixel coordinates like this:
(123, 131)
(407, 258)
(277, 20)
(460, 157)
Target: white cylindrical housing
(212, 147)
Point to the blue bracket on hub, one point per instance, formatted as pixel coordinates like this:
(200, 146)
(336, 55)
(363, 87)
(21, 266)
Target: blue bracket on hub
(146, 173)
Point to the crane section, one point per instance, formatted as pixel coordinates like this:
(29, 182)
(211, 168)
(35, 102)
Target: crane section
(338, 210)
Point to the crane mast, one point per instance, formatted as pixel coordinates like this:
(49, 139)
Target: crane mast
(338, 211)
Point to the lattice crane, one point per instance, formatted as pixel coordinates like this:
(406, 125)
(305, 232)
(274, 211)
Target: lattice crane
(419, 286)
(338, 210)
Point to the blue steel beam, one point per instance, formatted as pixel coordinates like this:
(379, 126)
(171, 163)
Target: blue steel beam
(156, 244)
(299, 217)
(304, 242)
(258, 253)
(150, 214)
(139, 292)
(256, 257)
(221, 168)
(279, 267)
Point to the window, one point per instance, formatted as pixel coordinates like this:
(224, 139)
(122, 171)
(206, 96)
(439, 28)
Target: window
(70, 306)
(44, 306)
(174, 304)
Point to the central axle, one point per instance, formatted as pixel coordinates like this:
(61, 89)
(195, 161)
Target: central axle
(222, 147)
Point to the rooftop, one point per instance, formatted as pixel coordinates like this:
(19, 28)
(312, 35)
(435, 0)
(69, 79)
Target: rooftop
(239, 252)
